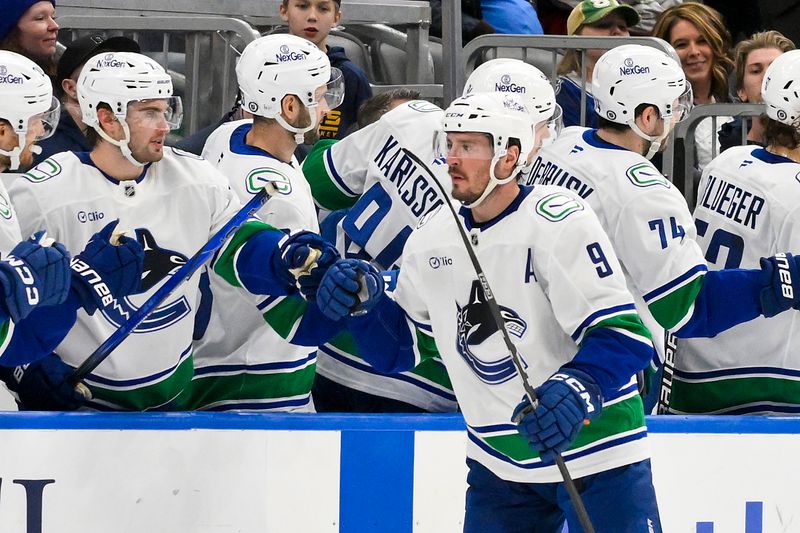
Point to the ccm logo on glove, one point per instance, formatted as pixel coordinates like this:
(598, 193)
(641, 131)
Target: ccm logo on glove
(25, 275)
(578, 387)
(93, 279)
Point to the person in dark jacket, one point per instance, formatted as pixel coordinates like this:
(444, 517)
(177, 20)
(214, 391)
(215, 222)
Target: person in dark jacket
(70, 133)
(472, 21)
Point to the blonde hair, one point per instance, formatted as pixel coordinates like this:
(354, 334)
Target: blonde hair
(757, 41)
(709, 23)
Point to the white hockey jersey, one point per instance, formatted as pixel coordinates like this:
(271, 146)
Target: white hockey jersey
(645, 217)
(176, 205)
(553, 273)
(241, 361)
(748, 207)
(384, 175)
(9, 237)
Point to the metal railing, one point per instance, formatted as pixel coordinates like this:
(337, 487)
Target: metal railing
(683, 142)
(208, 48)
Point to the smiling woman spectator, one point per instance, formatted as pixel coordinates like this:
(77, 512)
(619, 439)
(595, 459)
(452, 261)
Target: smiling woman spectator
(703, 43)
(28, 27)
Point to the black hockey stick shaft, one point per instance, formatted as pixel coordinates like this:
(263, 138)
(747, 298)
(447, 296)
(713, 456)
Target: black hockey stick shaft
(572, 490)
(184, 273)
(667, 373)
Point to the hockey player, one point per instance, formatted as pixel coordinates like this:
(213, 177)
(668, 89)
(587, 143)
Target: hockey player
(240, 361)
(378, 192)
(748, 210)
(640, 94)
(563, 299)
(177, 201)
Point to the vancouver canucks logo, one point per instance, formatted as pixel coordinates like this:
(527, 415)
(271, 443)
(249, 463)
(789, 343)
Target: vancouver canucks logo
(159, 263)
(475, 325)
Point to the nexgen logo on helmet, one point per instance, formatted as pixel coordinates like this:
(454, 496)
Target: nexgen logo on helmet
(109, 61)
(5, 77)
(506, 85)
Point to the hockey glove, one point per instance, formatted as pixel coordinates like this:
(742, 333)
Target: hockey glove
(349, 287)
(34, 274)
(302, 260)
(104, 271)
(780, 279)
(43, 386)
(565, 400)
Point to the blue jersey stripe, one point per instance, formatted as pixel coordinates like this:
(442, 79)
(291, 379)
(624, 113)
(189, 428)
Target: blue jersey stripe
(92, 378)
(734, 372)
(598, 315)
(278, 365)
(652, 295)
(335, 175)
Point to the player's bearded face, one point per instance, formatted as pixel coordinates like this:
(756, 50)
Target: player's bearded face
(468, 158)
(149, 127)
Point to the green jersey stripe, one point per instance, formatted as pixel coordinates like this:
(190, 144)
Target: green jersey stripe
(730, 392)
(225, 264)
(675, 307)
(323, 187)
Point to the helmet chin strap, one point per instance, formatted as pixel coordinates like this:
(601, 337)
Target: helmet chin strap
(655, 140)
(299, 133)
(14, 154)
(494, 181)
(123, 144)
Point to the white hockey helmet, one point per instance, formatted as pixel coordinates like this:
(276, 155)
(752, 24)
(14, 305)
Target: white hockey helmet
(502, 117)
(274, 66)
(507, 75)
(630, 75)
(118, 79)
(26, 101)
(780, 88)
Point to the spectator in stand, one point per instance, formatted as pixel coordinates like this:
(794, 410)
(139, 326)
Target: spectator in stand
(752, 58)
(699, 36)
(313, 20)
(28, 27)
(512, 16)
(590, 18)
(70, 134)
(472, 21)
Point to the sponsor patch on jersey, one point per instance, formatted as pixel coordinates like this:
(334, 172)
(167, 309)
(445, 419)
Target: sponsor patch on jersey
(558, 206)
(45, 170)
(423, 107)
(5, 208)
(646, 175)
(259, 177)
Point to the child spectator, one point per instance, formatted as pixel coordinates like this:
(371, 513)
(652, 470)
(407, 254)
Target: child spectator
(313, 20)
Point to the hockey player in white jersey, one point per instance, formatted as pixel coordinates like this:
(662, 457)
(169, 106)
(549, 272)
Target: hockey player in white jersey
(175, 200)
(640, 93)
(748, 209)
(241, 360)
(562, 295)
(378, 191)
(39, 294)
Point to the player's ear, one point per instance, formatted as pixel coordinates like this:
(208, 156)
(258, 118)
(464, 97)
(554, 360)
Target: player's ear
(290, 107)
(648, 120)
(6, 134)
(108, 121)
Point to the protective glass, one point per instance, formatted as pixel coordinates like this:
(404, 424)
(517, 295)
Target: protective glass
(331, 95)
(457, 145)
(153, 113)
(44, 124)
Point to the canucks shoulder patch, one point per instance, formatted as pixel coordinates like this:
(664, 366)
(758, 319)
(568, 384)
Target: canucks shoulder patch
(49, 168)
(646, 175)
(258, 178)
(558, 206)
(423, 106)
(5, 208)
(424, 219)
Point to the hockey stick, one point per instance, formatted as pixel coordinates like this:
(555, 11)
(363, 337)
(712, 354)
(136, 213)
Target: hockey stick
(574, 495)
(667, 373)
(184, 273)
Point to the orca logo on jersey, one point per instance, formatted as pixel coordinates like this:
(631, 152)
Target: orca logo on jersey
(158, 264)
(475, 325)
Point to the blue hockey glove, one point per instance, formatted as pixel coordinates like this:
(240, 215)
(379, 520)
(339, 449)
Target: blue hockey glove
(290, 261)
(43, 386)
(349, 287)
(34, 274)
(780, 278)
(565, 400)
(104, 271)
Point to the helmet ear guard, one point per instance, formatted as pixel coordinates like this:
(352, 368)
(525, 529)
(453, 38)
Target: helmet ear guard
(275, 66)
(118, 79)
(26, 102)
(630, 75)
(502, 118)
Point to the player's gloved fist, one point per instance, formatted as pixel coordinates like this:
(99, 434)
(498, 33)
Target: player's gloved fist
(565, 400)
(780, 279)
(302, 260)
(34, 273)
(104, 271)
(349, 287)
(43, 386)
